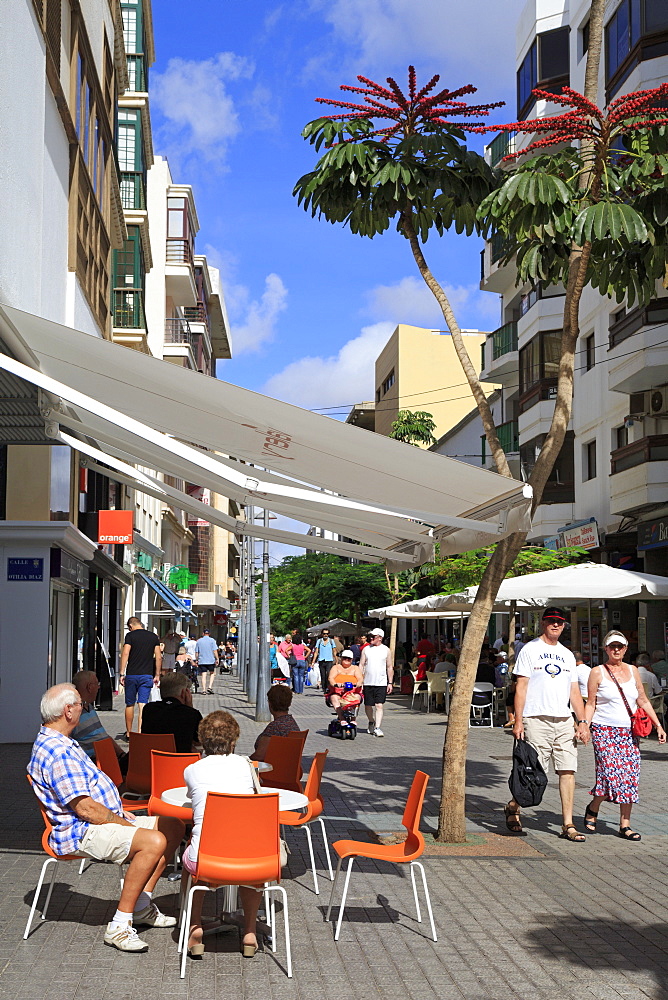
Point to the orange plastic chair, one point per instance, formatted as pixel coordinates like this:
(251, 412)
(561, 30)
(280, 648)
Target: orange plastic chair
(299, 820)
(51, 858)
(239, 845)
(408, 851)
(285, 756)
(107, 761)
(138, 778)
(167, 772)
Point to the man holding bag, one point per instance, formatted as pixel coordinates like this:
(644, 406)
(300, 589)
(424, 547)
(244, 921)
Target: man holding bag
(546, 689)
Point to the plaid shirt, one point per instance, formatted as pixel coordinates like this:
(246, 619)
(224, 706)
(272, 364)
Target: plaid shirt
(61, 772)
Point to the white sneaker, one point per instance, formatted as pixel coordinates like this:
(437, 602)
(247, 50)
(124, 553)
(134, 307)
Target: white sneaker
(151, 916)
(371, 729)
(378, 732)
(124, 937)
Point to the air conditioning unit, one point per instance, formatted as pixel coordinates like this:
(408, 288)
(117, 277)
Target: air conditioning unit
(658, 402)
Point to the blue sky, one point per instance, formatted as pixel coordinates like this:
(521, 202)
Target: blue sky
(311, 305)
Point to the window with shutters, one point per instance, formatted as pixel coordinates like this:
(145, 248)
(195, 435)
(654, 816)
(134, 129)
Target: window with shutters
(49, 14)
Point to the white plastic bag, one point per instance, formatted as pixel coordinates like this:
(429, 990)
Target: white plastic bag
(283, 664)
(313, 676)
(155, 693)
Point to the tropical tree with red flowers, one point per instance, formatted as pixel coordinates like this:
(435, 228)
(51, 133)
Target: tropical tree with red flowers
(583, 203)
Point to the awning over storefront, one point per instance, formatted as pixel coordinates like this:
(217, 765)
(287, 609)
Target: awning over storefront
(384, 493)
(168, 596)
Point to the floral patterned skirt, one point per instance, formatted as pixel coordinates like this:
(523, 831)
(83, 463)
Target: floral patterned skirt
(617, 758)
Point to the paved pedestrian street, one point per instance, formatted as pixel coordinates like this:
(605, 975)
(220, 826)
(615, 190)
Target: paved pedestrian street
(532, 917)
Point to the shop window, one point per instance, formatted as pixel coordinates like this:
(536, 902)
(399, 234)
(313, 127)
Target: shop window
(545, 66)
(589, 461)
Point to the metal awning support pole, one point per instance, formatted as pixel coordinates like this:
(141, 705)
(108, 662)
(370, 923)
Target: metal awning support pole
(251, 687)
(262, 713)
(241, 633)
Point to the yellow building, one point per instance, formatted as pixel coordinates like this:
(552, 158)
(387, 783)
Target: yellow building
(419, 370)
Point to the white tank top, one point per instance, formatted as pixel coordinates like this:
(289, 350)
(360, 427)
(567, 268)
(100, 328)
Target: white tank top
(375, 670)
(610, 709)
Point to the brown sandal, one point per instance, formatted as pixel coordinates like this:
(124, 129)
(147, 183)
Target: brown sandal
(570, 832)
(513, 820)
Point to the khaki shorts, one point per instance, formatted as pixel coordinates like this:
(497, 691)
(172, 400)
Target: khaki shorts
(111, 841)
(553, 740)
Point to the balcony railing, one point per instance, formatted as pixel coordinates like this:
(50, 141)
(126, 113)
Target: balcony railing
(654, 312)
(539, 391)
(653, 448)
(497, 247)
(128, 309)
(501, 146)
(509, 436)
(179, 252)
(177, 331)
(197, 314)
(504, 340)
(137, 74)
(133, 189)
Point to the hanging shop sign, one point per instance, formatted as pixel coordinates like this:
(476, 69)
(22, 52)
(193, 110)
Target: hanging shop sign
(220, 618)
(187, 602)
(581, 535)
(114, 527)
(552, 542)
(204, 496)
(24, 569)
(653, 534)
(66, 567)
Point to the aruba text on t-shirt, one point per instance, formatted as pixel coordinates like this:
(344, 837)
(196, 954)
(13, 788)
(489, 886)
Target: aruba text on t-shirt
(551, 671)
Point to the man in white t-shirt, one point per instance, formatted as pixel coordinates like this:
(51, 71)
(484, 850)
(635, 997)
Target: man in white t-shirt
(378, 669)
(546, 682)
(584, 671)
(643, 663)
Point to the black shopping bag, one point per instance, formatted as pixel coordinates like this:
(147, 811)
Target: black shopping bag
(527, 780)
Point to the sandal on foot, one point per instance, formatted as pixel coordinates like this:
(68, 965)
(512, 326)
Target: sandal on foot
(626, 833)
(569, 832)
(513, 820)
(590, 818)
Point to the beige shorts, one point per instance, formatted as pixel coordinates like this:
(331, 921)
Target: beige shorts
(553, 740)
(111, 841)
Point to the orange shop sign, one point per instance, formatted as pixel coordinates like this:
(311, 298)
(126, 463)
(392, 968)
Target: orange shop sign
(114, 527)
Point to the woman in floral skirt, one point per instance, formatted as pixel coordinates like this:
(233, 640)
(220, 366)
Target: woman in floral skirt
(616, 749)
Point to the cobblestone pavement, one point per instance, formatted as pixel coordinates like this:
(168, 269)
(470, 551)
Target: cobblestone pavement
(559, 921)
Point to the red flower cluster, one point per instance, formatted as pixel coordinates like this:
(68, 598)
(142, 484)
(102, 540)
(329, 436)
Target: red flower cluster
(413, 113)
(586, 120)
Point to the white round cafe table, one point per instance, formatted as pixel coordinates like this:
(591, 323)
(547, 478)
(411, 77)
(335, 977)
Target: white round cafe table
(286, 800)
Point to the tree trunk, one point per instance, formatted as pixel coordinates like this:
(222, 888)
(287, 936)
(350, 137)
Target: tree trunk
(452, 813)
(479, 396)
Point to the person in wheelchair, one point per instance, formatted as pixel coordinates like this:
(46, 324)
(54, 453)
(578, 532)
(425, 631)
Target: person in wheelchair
(344, 693)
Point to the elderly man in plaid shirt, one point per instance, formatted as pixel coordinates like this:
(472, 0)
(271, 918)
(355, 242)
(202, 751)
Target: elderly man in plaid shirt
(84, 807)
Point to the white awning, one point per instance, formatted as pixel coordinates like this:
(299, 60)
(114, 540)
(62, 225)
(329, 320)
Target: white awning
(381, 487)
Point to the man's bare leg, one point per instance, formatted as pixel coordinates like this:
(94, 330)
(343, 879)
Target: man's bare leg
(129, 718)
(567, 794)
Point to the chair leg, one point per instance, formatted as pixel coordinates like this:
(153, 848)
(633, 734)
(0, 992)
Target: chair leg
(82, 866)
(343, 899)
(182, 912)
(286, 919)
(310, 849)
(326, 842)
(331, 895)
(418, 864)
(38, 889)
(186, 925)
(48, 895)
(415, 895)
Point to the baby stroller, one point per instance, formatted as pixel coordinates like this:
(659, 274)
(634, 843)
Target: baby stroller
(344, 727)
(190, 670)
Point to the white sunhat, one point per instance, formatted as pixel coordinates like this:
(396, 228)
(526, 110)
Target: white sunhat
(347, 654)
(377, 631)
(615, 637)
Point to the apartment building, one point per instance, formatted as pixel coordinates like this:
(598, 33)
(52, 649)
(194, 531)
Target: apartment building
(419, 370)
(609, 487)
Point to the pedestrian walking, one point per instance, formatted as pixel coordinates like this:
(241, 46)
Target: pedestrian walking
(141, 666)
(546, 686)
(615, 691)
(378, 669)
(206, 658)
(584, 671)
(170, 646)
(324, 654)
(300, 652)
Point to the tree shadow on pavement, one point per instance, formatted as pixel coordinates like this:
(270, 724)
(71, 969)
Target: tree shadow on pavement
(595, 944)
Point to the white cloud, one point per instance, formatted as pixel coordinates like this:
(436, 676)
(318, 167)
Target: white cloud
(259, 316)
(340, 379)
(473, 42)
(410, 301)
(192, 96)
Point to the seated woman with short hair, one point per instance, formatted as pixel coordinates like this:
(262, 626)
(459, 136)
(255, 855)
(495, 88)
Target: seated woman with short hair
(280, 698)
(220, 770)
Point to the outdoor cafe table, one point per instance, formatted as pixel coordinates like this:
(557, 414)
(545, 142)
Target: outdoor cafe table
(287, 800)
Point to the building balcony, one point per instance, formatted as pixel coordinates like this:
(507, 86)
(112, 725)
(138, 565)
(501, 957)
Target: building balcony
(502, 145)
(499, 354)
(639, 475)
(644, 363)
(128, 309)
(180, 344)
(177, 331)
(133, 190)
(137, 74)
(495, 277)
(549, 517)
(543, 389)
(179, 273)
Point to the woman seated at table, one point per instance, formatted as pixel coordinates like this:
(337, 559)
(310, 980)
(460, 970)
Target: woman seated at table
(221, 770)
(279, 698)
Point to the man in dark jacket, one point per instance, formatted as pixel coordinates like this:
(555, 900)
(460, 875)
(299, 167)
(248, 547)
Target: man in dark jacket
(175, 713)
